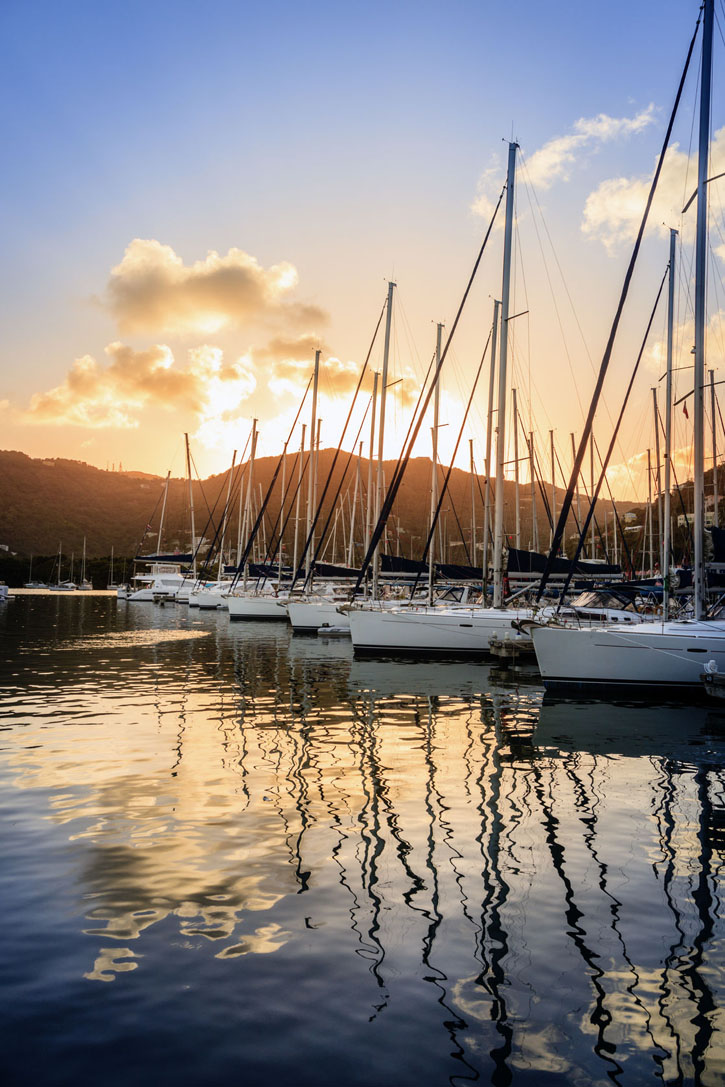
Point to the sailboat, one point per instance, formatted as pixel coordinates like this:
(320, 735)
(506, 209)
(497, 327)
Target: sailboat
(662, 655)
(461, 631)
(111, 586)
(62, 586)
(85, 585)
(30, 583)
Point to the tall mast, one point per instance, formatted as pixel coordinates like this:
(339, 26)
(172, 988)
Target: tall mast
(667, 527)
(297, 502)
(369, 514)
(700, 293)
(312, 462)
(191, 506)
(434, 463)
(473, 505)
(713, 408)
(353, 510)
(503, 360)
(534, 513)
(281, 511)
(225, 515)
(487, 533)
(553, 486)
(516, 470)
(649, 511)
(250, 492)
(658, 482)
(163, 512)
(578, 485)
(591, 482)
(381, 432)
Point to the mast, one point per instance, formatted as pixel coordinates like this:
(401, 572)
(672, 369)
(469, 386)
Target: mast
(163, 512)
(591, 492)
(225, 514)
(83, 563)
(487, 533)
(353, 511)
(713, 406)
(297, 502)
(369, 514)
(667, 526)
(516, 470)
(311, 552)
(434, 464)
(578, 486)
(281, 511)
(649, 512)
(191, 506)
(473, 505)
(503, 359)
(381, 433)
(658, 483)
(553, 486)
(248, 501)
(700, 292)
(534, 513)
(311, 462)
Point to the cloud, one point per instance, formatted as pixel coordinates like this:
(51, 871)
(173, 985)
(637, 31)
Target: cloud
(683, 338)
(152, 290)
(553, 161)
(290, 374)
(94, 395)
(628, 479)
(613, 212)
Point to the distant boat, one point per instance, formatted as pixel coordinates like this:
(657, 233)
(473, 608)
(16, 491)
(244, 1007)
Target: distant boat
(30, 584)
(85, 585)
(112, 586)
(62, 586)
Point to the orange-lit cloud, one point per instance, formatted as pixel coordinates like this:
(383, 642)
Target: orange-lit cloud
(153, 291)
(683, 342)
(613, 212)
(629, 478)
(291, 373)
(94, 395)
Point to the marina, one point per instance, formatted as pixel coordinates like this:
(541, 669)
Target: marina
(245, 853)
(393, 750)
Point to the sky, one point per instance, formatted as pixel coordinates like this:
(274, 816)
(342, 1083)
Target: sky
(197, 198)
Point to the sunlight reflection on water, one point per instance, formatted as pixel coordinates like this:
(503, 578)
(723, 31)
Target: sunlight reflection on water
(288, 866)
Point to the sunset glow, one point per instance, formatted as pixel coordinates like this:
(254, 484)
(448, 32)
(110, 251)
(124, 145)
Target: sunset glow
(179, 249)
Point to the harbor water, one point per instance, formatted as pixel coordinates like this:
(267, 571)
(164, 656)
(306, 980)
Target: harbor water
(231, 855)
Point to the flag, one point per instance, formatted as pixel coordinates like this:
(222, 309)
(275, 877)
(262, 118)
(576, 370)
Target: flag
(685, 411)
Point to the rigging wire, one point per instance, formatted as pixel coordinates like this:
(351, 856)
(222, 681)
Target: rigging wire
(559, 532)
(608, 455)
(400, 471)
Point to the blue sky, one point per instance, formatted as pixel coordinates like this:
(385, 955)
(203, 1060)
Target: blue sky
(348, 141)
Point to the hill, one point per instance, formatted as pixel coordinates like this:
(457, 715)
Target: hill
(52, 501)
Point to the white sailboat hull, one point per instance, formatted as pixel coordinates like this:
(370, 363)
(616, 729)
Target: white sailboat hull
(663, 655)
(208, 599)
(257, 607)
(311, 615)
(431, 631)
